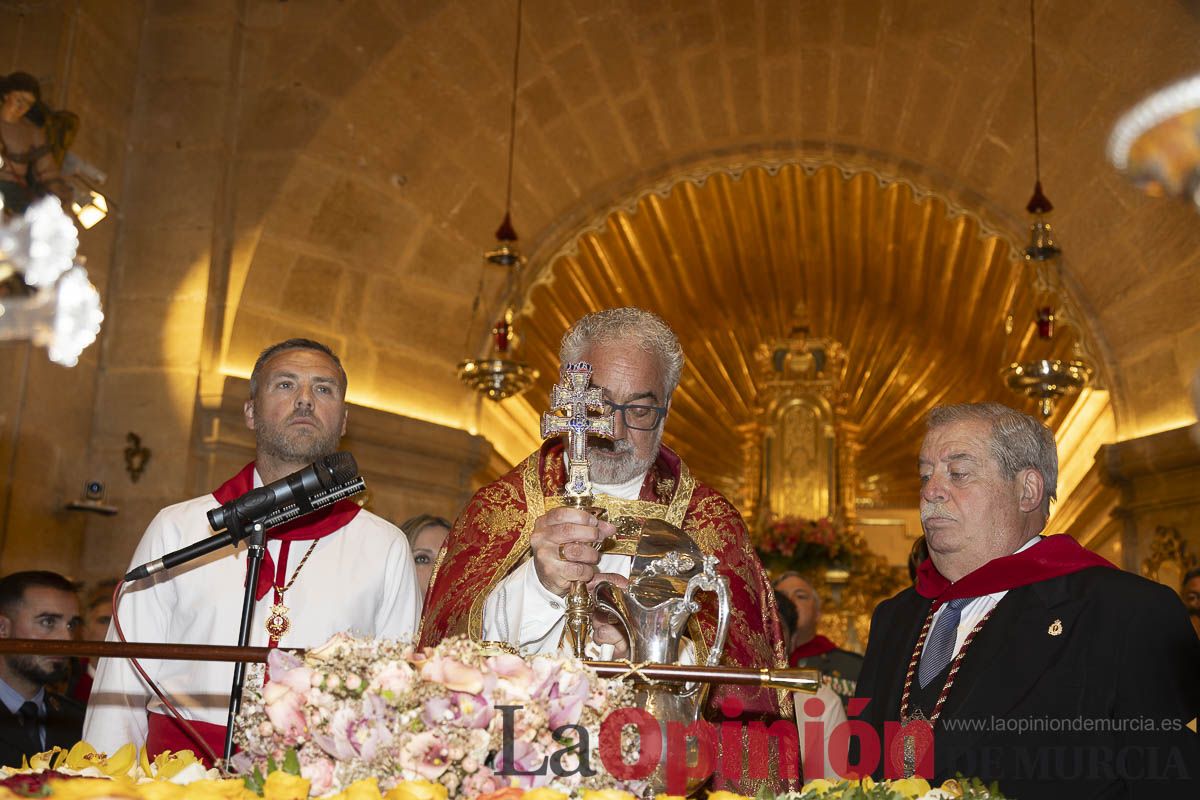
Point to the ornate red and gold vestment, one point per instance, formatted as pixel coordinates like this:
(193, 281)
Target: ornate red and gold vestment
(491, 537)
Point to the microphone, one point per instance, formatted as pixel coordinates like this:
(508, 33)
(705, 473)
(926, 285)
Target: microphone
(320, 484)
(297, 488)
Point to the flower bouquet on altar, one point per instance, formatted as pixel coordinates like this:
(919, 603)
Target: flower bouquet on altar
(798, 544)
(457, 715)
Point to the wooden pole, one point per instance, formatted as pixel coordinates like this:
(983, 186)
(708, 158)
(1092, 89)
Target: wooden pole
(802, 680)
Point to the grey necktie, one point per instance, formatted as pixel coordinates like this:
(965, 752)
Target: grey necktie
(939, 647)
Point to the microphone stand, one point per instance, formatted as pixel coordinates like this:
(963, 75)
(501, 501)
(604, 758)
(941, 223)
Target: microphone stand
(256, 544)
(255, 533)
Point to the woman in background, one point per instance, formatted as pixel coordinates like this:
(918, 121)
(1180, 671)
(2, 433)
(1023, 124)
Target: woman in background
(425, 533)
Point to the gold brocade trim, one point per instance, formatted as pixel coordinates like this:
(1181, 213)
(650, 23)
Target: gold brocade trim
(535, 507)
(617, 508)
(682, 498)
(437, 565)
(537, 504)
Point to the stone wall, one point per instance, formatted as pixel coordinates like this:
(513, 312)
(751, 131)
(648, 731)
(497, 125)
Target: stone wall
(334, 170)
(85, 54)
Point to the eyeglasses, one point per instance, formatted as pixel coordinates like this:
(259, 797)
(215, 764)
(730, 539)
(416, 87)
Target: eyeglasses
(636, 416)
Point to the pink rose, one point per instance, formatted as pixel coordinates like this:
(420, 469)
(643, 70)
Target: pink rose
(395, 678)
(513, 673)
(320, 774)
(425, 755)
(289, 670)
(480, 782)
(285, 709)
(453, 675)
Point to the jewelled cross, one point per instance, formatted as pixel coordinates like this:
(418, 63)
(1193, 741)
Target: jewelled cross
(577, 399)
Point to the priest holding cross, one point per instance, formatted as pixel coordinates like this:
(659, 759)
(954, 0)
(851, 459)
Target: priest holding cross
(575, 397)
(516, 549)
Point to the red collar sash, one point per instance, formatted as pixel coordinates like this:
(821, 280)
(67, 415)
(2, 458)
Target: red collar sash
(316, 525)
(1052, 557)
(818, 645)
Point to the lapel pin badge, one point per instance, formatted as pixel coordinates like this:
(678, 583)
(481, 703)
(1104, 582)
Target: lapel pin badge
(1056, 628)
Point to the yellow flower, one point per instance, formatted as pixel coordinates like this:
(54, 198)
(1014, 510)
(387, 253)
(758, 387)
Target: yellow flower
(726, 796)
(366, 789)
(822, 787)
(119, 763)
(544, 793)
(867, 783)
(231, 789)
(51, 759)
(159, 790)
(282, 786)
(80, 756)
(952, 787)
(614, 794)
(417, 790)
(90, 789)
(911, 788)
(168, 764)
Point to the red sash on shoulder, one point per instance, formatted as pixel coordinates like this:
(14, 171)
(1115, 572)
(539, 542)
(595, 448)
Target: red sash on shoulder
(1052, 557)
(316, 525)
(813, 647)
(166, 733)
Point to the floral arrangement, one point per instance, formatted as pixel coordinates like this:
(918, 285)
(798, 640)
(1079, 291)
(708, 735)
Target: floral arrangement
(904, 789)
(456, 715)
(127, 764)
(794, 543)
(65, 782)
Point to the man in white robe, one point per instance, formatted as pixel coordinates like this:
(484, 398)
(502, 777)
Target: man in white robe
(340, 569)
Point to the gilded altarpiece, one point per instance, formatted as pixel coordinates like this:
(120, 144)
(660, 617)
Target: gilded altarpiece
(800, 456)
(797, 452)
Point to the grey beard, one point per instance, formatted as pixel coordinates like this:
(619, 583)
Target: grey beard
(619, 464)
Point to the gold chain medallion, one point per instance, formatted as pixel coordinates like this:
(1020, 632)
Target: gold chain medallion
(277, 621)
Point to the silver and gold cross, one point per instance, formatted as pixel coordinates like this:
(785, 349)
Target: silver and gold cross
(583, 406)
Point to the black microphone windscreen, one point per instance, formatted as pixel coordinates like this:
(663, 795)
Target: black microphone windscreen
(342, 466)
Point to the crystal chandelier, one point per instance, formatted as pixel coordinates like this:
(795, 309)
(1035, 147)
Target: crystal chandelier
(45, 294)
(500, 374)
(1043, 379)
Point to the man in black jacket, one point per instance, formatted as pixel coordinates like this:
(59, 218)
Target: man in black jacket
(1019, 658)
(36, 605)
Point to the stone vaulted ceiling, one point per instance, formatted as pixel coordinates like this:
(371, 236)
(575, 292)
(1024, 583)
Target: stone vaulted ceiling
(370, 165)
(915, 291)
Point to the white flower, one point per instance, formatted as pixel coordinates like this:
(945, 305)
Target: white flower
(937, 794)
(48, 242)
(77, 318)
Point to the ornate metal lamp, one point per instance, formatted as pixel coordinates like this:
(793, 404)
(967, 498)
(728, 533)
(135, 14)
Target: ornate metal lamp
(1157, 142)
(1045, 379)
(498, 377)
(499, 374)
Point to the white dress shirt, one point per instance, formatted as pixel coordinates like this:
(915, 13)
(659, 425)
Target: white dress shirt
(360, 579)
(975, 610)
